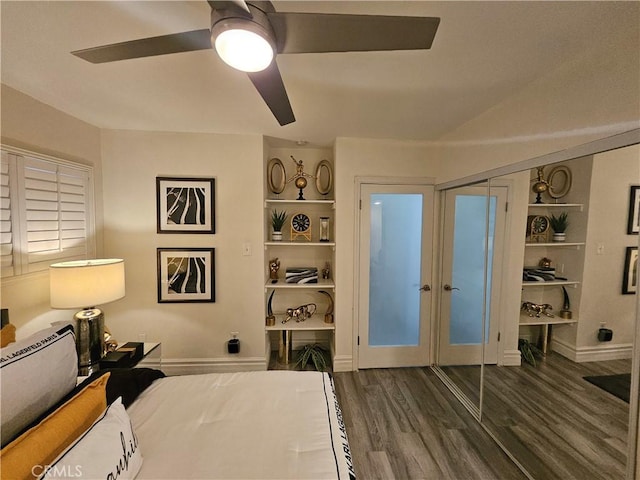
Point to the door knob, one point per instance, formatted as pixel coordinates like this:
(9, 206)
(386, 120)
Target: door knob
(425, 288)
(448, 287)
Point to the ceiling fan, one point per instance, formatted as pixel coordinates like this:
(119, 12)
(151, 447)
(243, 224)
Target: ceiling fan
(248, 35)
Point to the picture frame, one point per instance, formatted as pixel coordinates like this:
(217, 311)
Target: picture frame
(633, 222)
(630, 276)
(185, 205)
(186, 275)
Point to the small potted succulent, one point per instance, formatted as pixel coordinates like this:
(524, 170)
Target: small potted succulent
(277, 222)
(559, 225)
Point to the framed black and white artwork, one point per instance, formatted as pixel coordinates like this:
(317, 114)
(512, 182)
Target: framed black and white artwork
(186, 275)
(630, 276)
(185, 205)
(633, 222)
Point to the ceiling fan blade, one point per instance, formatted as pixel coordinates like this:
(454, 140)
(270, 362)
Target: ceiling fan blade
(320, 32)
(148, 47)
(238, 7)
(271, 88)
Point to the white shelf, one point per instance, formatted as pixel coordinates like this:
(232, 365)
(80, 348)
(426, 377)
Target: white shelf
(316, 322)
(321, 285)
(556, 244)
(556, 205)
(547, 284)
(268, 202)
(299, 244)
(526, 320)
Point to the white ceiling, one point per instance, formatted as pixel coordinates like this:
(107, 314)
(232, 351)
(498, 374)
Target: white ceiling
(483, 53)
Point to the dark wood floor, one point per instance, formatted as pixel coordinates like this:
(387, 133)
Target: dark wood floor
(405, 424)
(557, 424)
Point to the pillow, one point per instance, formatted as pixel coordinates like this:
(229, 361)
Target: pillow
(109, 449)
(36, 373)
(128, 383)
(41, 444)
(7, 335)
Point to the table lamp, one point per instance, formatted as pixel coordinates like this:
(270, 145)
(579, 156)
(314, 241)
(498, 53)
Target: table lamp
(85, 284)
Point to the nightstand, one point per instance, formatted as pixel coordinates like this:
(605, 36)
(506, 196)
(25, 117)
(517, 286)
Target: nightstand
(151, 357)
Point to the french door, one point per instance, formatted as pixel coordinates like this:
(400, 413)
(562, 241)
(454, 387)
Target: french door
(396, 225)
(473, 230)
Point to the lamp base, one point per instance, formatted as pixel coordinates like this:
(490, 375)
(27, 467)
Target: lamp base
(89, 328)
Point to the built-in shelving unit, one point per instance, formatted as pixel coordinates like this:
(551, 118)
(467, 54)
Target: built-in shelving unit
(299, 252)
(567, 258)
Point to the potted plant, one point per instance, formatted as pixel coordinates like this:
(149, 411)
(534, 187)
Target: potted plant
(277, 222)
(529, 351)
(315, 353)
(559, 225)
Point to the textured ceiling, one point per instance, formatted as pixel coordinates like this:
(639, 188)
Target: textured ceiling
(483, 53)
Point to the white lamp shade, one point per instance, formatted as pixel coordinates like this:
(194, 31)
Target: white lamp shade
(86, 283)
(245, 46)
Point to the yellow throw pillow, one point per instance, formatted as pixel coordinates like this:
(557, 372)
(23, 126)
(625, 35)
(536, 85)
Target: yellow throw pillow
(7, 335)
(27, 456)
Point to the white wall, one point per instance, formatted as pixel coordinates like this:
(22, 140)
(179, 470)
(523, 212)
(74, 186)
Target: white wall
(193, 335)
(359, 157)
(34, 126)
(602, 300)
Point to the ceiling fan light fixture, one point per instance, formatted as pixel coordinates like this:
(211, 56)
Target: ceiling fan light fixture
(243, 45)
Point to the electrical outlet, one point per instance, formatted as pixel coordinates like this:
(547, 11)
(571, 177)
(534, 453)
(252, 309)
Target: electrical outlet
(234, 334)
(246, 249)
(599, 248)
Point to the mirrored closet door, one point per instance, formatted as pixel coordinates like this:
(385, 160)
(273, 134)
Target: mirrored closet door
(563, 411)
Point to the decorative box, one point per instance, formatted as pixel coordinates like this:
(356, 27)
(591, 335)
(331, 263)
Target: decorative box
(301, 275)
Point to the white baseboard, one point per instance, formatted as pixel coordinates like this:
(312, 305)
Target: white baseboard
(193, 366)
(342, 363)
(593, 354)
(511, 358)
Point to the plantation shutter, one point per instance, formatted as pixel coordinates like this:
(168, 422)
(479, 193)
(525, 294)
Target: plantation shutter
(6, 228)
(56, 224)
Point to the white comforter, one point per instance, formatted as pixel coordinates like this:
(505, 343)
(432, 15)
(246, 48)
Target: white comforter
(248, 425)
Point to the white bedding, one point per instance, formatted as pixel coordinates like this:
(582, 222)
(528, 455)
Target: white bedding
(248, 425)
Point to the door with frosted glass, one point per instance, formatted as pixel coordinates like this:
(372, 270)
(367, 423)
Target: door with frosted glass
(473, 223)
(396, 223)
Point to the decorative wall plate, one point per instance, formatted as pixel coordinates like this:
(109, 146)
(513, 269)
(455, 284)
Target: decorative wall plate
(324, 177)
(276, 176)
(559, 180)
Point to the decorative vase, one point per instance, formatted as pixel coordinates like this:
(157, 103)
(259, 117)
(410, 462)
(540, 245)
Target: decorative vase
(559, 237)
(276, 236)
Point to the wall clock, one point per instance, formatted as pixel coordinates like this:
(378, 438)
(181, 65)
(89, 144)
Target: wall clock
(300, 226)
(538, 228)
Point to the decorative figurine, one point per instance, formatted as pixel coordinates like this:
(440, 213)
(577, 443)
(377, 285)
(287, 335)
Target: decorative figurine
(535, 310)
(271, 318)
(300, 177)
(540, 186)
(274, 266)
(328, 316)
(566, 305)
(300, 313)
(326, 271)
(545, 262)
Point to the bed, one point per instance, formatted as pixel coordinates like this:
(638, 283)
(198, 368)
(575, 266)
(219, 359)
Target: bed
(136, 423)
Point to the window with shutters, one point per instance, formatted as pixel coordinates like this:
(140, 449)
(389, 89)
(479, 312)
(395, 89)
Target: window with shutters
(46, 212)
